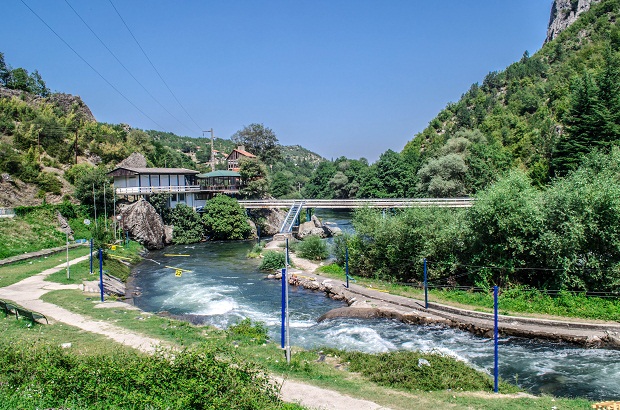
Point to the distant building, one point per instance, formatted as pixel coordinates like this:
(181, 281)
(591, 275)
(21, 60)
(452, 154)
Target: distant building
(234, 157)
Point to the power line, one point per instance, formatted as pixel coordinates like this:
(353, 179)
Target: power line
(152, 65)
(123, 65)
(91, 67)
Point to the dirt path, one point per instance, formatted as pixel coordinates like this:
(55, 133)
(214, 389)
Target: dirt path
(28, 292)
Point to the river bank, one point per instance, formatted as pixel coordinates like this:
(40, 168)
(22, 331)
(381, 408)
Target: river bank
(368, 303)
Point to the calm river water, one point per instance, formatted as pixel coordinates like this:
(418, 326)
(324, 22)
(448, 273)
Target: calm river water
(224, 286)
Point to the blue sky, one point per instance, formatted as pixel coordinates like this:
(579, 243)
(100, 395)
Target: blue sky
(339, 77)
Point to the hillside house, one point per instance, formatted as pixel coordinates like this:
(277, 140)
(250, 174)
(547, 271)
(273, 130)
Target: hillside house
(234, 157)
(181, 183)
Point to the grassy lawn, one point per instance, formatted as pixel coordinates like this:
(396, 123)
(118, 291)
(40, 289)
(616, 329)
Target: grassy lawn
(173, 331)
(511, 302)
(333, 373)
(82, 342)
(17, 271)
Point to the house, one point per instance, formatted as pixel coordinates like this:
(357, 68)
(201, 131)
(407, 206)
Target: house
(181, 183)
(234, 157)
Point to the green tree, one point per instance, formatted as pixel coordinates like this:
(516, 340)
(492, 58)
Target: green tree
(504, 225)
(188, 227)
(224, 219)
(5, 71)
(253, 178)
(260, 141)
(280, 184)
(89, 189)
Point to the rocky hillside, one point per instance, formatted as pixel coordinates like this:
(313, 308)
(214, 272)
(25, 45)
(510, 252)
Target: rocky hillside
(564, 13)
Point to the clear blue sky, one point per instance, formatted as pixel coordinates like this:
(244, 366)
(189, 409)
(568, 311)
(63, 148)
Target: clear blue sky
(340, 77)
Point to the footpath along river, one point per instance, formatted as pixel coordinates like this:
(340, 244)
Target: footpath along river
(223, 286)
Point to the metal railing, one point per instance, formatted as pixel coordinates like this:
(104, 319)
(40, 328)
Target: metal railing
(145, 190)
(362, 203)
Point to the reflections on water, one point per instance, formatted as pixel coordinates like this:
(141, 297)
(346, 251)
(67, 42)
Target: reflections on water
(224, 286)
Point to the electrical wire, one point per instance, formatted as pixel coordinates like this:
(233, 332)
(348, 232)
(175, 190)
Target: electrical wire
(126, 69)
(89, 65)
(152, 65)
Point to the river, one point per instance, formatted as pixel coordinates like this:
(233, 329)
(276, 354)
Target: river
(220, 286)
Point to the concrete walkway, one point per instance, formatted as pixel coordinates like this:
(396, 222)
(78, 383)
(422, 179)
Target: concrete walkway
(367, 302)
(28, 292)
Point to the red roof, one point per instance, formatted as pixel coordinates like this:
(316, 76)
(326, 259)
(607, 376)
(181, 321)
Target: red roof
(242, 152)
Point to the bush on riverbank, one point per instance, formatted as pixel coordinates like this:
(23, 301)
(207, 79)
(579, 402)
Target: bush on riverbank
(272, 260)
(563, 237)
(312, 247)
(420, 371)
(204, 377)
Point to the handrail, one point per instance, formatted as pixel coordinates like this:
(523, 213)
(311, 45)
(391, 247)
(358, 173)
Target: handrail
(157, 189)
(361, 203)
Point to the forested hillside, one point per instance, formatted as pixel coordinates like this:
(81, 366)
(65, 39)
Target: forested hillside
(48, 140)
(541, 114)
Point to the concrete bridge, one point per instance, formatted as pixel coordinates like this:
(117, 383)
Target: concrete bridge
(359, 203)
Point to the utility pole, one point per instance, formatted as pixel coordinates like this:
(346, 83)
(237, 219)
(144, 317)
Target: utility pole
(212, 156)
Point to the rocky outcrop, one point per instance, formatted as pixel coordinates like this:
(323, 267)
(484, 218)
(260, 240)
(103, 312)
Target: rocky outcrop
(315, 227)
(144, 224)
(64, 226)
(135, 160)
(564, 13)
(270, 220)
(66, 102)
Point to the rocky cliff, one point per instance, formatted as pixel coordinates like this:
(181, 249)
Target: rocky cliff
(564, 13)
(65, 102)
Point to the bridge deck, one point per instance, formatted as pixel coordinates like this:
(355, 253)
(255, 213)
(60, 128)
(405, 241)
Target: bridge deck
(362, 203)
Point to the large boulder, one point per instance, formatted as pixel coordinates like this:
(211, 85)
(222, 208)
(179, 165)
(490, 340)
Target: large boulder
(144, 224)
(271, 219)
(313, 227)
(135, 160)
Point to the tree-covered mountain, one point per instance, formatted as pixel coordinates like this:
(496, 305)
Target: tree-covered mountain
(541, 114)
(48, 139)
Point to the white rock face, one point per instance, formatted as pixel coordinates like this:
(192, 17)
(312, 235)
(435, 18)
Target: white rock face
(564, 13)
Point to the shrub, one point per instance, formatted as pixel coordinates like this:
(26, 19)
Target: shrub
(313, 247)
(250, 332)
(273, 260)
(188, 227)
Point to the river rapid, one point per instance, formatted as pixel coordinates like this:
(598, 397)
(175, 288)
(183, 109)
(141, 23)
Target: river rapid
(221, 286)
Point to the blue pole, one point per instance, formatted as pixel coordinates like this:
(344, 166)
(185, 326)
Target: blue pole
(346, 265)
(126, 238)
(425, 286)
(496, 341)
(101, 272)
(283, 330)
(91, 256)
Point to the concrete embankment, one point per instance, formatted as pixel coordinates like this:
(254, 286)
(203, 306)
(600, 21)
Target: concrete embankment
(369, 303)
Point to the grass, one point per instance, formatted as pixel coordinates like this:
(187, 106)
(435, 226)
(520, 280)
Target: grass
(517, 301)
(15, 272)
(31, 232)
(170, 330)
(82, 342)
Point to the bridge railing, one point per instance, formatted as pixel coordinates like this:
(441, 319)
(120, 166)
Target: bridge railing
(361, 203)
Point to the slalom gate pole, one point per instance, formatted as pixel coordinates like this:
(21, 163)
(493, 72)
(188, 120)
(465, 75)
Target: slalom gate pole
(101, 272)
(91, 256)
(425, 286)
(288, 325)
(283, 327)
(496, 342)
(346, 266)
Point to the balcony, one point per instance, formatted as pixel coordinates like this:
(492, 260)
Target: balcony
(148, 190)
